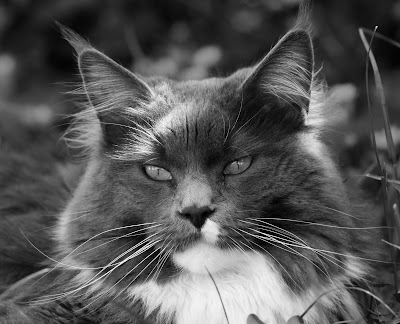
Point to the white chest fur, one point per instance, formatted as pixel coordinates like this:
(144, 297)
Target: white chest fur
(248, 283)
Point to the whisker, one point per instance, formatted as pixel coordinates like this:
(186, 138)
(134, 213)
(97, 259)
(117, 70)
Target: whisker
(135, 254)
(61, 263)
(135, 233)
(54, 260)
(274, 238)
(280, 264)
(274, 242)
(324, 254)
(348, 255)
(108, 231)
(279, 244)
(237, 246)
(248, 121)
(54, 297)
(237, 119)
(84, 213)
(326, 207)
(278, 230)
(165, 259)
(308, 247)
(161, 249)
(343, 213)
(90, 282)
(224, 126)
(317, 224)
(111, 263)
(298, 240)
(129, 272)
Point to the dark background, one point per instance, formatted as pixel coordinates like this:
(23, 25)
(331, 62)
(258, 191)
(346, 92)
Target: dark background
(170, 33)
(192, 40)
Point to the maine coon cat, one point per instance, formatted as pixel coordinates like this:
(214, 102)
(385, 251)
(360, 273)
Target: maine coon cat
(224, 178)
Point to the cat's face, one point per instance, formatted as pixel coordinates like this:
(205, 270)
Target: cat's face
(221, 164)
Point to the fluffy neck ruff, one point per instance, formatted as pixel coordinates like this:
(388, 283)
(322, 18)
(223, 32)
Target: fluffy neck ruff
(247, 282)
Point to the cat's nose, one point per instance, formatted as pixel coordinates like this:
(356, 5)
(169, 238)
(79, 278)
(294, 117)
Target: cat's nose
(197, 215)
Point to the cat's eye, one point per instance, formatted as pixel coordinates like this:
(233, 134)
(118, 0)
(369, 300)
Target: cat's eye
(157, 173)
(238, 166)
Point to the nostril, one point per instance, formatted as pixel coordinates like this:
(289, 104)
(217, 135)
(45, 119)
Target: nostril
(194, 210)
(197, 215)
(207, 212)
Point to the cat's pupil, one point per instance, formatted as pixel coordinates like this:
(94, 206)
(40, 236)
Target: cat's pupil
(238, 166)
(157, 173)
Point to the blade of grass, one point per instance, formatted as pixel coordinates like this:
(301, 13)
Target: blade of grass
(219, 294)
(389, 223)
(395, 246)
(396, 215)
(373, 176)
(382, 98)
(380, 36)
(350, 288)
(395, 183)
(396, 186)
(371, 117)
(390, 145)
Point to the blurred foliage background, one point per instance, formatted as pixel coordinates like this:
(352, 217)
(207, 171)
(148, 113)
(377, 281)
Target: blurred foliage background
(192, 40)
(184, 39)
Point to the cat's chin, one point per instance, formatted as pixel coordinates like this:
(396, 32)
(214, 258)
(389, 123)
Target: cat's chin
(204, 257)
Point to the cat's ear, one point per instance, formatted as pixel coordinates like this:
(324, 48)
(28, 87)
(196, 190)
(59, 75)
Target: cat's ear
(283, 79)
(117, 95)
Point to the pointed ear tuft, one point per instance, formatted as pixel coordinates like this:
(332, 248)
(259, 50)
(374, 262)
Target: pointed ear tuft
(118, 96)
(304, 16)
(76, 41)
(110, 87)
(283, 79)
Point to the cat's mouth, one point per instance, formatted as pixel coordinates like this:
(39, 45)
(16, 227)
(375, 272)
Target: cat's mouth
(203, 252)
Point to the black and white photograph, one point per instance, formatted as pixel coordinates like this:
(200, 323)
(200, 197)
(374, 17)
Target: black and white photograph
(199, 162)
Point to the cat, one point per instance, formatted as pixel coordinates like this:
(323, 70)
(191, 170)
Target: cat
(201, 201)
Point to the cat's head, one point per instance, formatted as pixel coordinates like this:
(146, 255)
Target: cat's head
(226, 164)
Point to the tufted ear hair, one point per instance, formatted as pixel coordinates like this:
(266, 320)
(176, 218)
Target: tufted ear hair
(117, 95)
(283, 79)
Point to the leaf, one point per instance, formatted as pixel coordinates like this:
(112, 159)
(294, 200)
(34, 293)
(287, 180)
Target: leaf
(253, 319)
(395, 184)
(295, 320)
